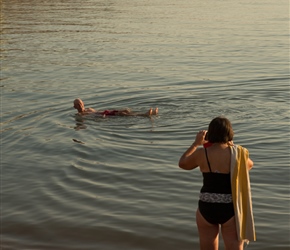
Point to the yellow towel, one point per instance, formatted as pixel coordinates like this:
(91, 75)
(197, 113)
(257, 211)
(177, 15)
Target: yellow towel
(241, 194)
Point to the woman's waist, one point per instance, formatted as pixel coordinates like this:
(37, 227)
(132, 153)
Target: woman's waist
(216, 197)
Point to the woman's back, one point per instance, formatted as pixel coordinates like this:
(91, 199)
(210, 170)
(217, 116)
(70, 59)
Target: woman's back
(216, 159)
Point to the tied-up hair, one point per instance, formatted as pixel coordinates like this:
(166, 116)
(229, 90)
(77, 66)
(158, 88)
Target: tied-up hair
(220, 130)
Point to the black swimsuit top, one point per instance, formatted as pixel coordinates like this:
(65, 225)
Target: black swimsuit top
(216, 182)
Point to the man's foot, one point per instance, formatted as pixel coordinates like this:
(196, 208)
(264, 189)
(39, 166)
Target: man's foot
(150, 112)
(155, 112)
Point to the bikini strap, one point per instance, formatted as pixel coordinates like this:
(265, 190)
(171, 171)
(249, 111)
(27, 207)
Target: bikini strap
(207, 159)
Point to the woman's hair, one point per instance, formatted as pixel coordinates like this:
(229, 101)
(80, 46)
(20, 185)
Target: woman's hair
(220, 130)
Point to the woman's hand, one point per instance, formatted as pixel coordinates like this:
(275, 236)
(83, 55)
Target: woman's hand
(200, 138)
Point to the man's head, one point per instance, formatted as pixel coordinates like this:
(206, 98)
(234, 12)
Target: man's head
(79, 105)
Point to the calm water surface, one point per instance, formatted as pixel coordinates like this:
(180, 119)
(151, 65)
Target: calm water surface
(121, 187)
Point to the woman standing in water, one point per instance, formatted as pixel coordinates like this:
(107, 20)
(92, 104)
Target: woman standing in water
(225, 197)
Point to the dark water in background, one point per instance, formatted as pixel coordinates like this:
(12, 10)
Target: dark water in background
(122, 188)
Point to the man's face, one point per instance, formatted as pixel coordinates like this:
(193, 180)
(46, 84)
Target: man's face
(79, 105)
(76, 105)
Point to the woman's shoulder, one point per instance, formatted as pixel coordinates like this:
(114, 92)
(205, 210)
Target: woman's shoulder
(239, 147)
(200, 150)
